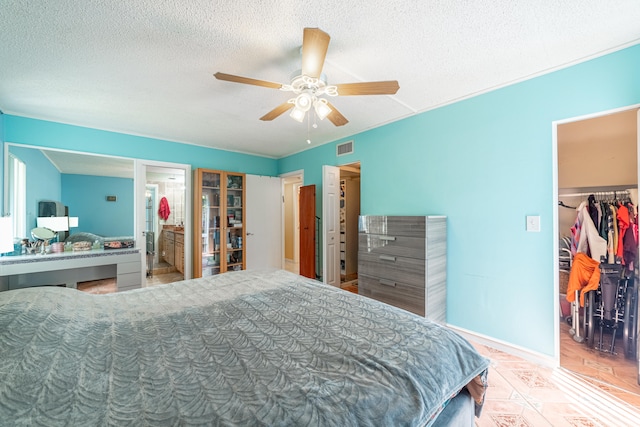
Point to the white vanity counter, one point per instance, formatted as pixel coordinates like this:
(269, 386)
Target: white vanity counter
(69, 268)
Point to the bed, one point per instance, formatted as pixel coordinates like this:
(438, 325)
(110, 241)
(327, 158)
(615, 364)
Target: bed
(243, 348)
(105, 242)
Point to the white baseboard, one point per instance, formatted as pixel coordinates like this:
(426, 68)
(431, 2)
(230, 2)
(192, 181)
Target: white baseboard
(524, 353)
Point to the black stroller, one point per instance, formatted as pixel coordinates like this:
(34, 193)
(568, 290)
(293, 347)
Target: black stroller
(612, 308)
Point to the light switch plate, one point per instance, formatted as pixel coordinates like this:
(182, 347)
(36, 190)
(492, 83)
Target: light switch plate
(533, 223)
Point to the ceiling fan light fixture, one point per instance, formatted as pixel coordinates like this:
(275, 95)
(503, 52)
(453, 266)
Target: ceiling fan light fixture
(303, 101)
(308, 85)
(321, 107)
(298, 114)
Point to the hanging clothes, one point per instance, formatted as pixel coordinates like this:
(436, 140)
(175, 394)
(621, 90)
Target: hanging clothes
(614, 218)
(585, 237)
(623, 225)
(592, 208)
(630, 251)
(611, 235)
(164, 210)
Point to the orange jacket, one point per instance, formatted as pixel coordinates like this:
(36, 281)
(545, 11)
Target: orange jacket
(584, 277)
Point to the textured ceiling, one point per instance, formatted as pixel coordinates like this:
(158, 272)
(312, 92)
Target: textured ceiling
(146, 67)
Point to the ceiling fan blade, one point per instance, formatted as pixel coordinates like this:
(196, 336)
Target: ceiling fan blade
(336, 116)
(246, 80)
(277, 111)
(315, 43)
(388, 87)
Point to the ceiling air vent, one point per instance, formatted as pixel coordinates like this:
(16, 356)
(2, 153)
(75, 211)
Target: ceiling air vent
(344, 148)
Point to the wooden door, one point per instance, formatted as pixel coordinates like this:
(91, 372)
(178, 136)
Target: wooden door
(307, 203)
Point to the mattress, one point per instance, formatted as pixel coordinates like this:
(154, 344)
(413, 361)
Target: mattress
(243, 348)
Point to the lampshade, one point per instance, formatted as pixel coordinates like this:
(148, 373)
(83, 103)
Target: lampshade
(6, 235)
(321, 107)
(55, 223)
(298, 114)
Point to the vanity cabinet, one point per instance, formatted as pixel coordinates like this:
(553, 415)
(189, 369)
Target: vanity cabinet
(168, 252)
(402, 261)
(219, 222)
(173, 247)
(178, 250)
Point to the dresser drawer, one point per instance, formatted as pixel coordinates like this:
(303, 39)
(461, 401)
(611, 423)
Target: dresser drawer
(399, 246)
(392, 225)
(407, 270)
(398, 294)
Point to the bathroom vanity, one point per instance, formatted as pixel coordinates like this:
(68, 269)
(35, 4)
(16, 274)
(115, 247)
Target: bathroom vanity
(69, 268)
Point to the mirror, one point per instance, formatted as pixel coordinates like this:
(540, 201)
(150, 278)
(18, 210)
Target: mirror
(96, 189)
(42, 233)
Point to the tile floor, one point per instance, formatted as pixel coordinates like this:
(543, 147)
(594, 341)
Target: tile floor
(524, 394)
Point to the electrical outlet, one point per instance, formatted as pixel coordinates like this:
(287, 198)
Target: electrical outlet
(533, 223)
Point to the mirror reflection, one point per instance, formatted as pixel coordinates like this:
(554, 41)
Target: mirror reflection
(96, 191)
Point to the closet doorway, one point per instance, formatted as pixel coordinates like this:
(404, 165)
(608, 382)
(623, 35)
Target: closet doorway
(597, 164)
(349, 213)
(291, 184)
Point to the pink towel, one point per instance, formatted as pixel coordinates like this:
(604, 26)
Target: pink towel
(164, 210)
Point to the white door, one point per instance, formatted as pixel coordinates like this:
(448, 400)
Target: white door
(264, 222)
(331, 225)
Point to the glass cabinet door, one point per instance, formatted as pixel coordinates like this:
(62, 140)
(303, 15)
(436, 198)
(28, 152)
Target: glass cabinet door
(219, 214)
(210, 226)
(235, 222)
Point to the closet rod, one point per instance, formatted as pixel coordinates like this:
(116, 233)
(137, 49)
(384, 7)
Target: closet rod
(597, 193)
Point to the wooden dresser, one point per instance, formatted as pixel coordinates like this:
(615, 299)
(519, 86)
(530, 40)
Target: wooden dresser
(402, 261)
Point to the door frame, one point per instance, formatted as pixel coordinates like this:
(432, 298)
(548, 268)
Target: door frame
(556, 226)
(140, 180)
(298, 177)
(154, 188)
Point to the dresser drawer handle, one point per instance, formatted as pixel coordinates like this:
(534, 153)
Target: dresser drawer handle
(388, 258)
(388, 238)
(387, 283)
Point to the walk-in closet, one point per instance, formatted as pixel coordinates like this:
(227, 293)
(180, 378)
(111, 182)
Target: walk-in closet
(349, 213)
(598, 244)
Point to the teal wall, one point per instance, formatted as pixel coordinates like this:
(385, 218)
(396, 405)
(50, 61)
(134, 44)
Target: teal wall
(85, 196)
(43, 182)
(22, 130)
(46, 134)
(486, 163)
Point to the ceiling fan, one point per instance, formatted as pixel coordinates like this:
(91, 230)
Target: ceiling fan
(309, 84)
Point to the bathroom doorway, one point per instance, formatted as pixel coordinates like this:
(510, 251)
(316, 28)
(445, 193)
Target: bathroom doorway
(164, 212)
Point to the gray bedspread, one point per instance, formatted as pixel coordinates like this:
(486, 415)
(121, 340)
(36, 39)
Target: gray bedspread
(244, 348)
